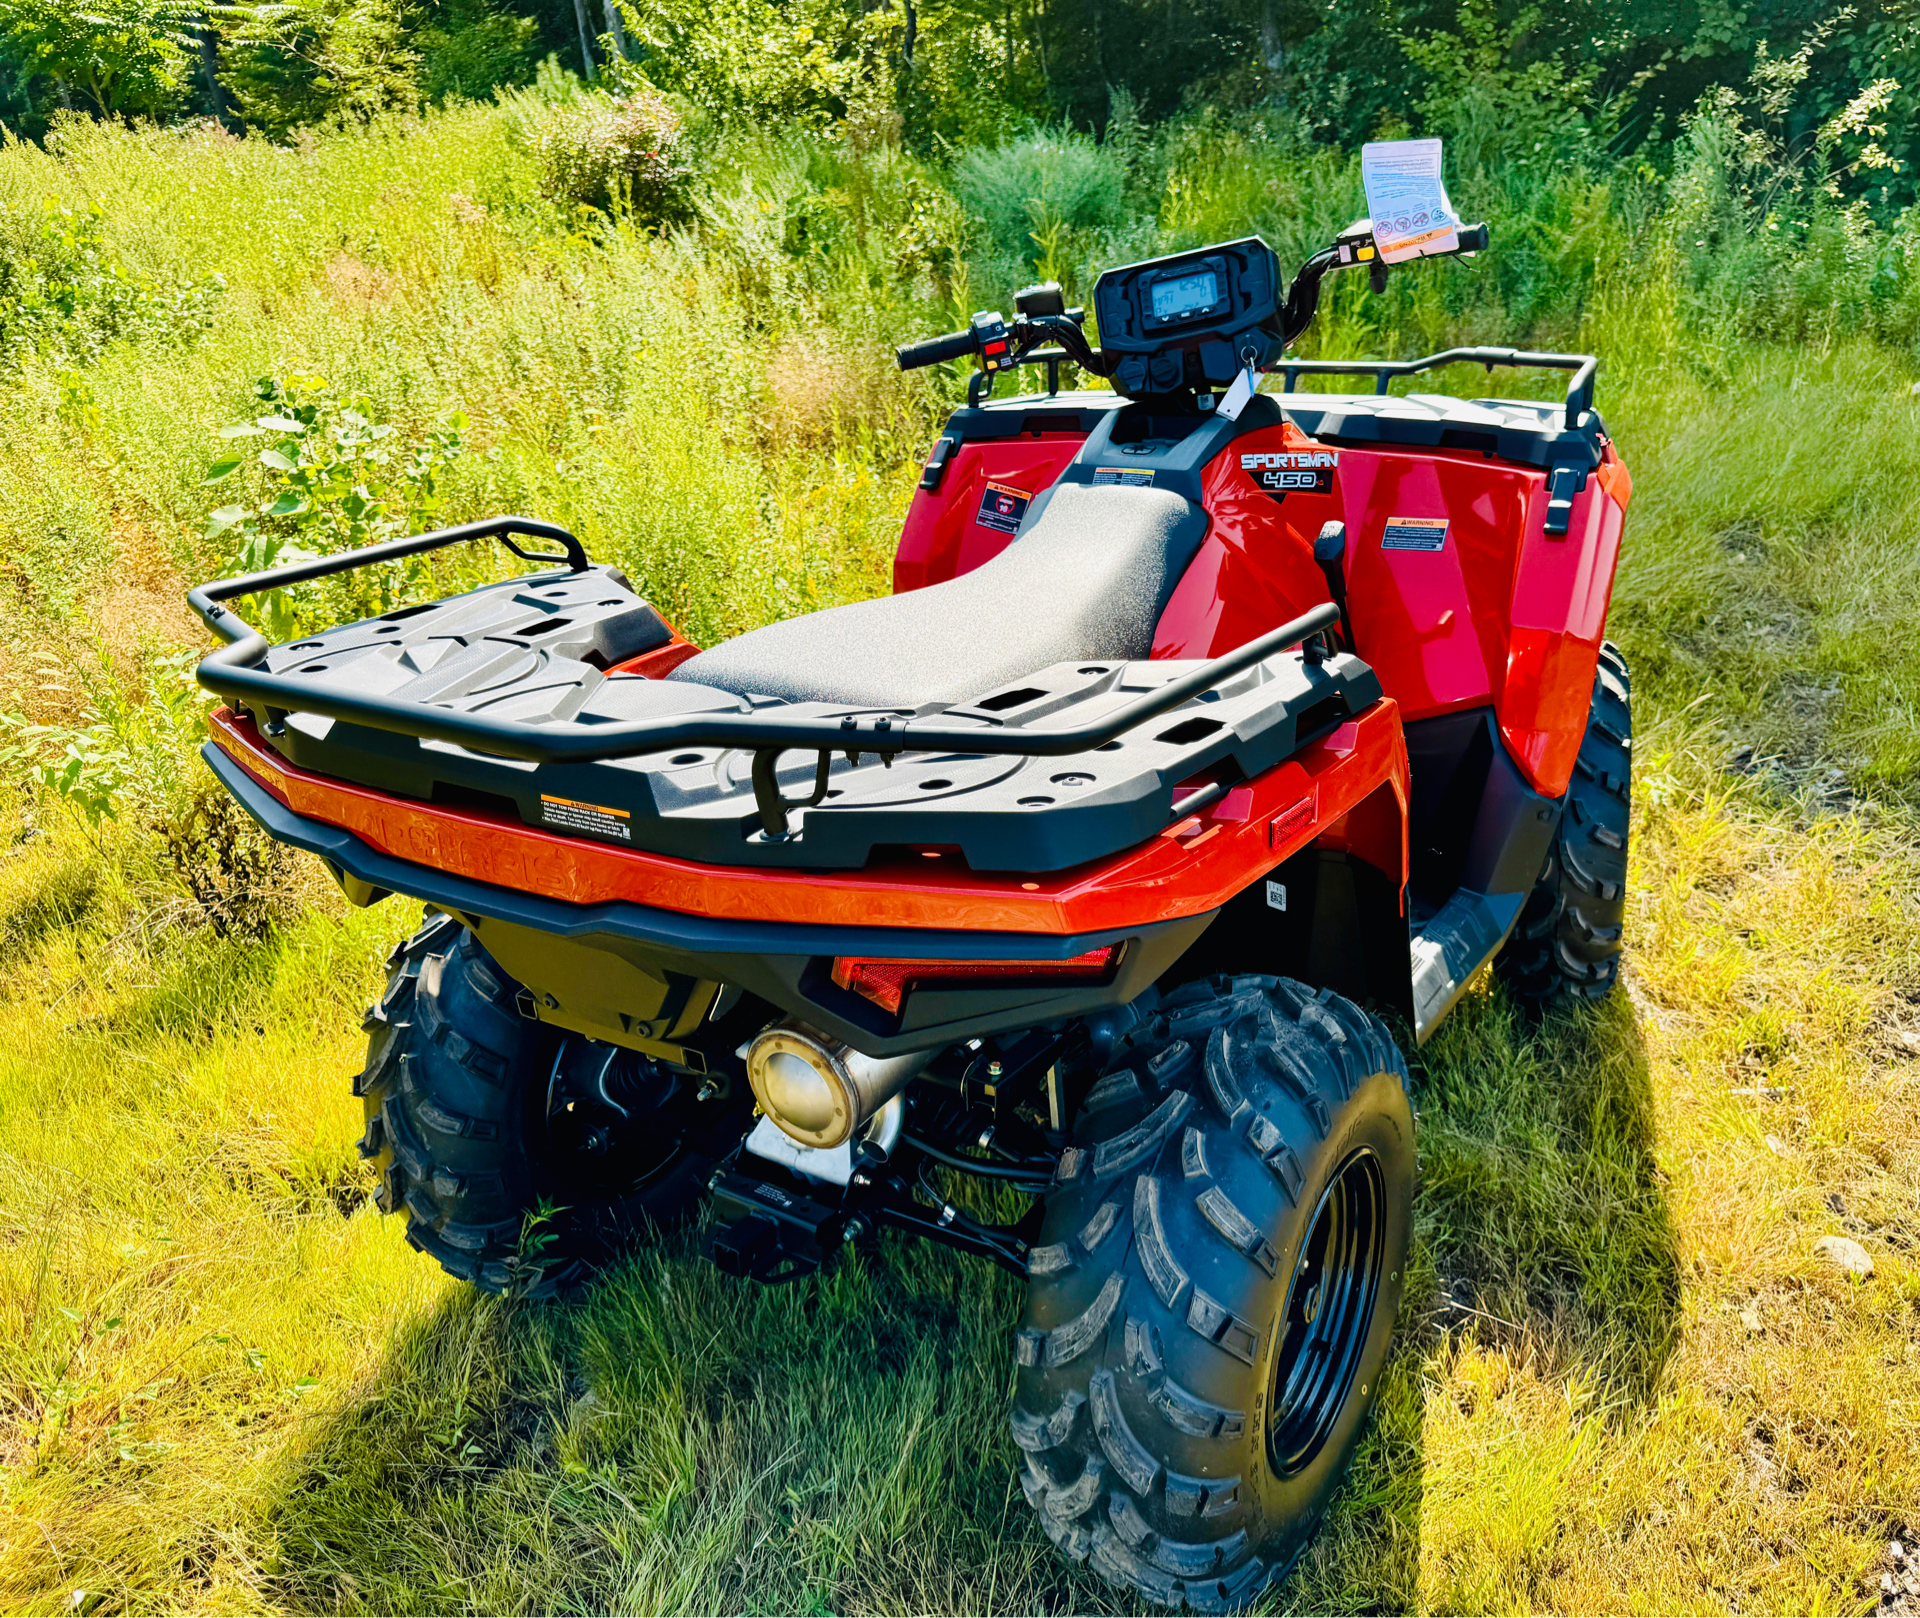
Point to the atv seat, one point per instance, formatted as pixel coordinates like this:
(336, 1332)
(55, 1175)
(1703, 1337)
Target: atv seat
(1087, 580)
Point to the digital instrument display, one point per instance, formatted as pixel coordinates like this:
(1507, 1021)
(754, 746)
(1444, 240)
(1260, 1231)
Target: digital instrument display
(1182, 295)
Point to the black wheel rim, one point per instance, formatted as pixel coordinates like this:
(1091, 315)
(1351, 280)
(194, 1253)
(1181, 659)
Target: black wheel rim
(1328, 1314)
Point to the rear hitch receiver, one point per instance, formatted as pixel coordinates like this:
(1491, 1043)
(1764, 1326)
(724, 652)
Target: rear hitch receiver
(767, 1233)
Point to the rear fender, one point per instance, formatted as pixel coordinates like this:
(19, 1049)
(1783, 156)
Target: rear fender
(776, 933)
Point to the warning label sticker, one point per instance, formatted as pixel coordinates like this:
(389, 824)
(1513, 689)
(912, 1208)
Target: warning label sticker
(1415, 534)
(1001, 507)
(1132, 476)
(590, 817)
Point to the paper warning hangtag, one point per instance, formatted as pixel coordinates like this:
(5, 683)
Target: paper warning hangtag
(1407, 199)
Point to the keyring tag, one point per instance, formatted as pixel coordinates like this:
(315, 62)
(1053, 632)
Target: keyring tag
(1235, 399)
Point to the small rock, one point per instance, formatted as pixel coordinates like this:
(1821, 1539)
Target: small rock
(1750, 1318)
(1776, 1146)
(1845, 1252)
(1896, 1553)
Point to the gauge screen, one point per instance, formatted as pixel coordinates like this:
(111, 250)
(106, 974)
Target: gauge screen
(1182, 295)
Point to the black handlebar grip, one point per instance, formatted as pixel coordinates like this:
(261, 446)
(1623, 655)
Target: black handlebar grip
(954, 346)
(1473, 238)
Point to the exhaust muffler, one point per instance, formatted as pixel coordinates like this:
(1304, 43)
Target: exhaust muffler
(820, 1090)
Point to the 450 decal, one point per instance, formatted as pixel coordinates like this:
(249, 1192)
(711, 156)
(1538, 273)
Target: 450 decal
(1284, 472)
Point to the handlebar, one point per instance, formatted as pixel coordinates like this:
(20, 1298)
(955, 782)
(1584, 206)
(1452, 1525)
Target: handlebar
(934, 350)
(1356, 249)
(1002, 344)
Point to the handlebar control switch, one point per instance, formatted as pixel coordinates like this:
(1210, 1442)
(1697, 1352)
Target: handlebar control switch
(990, 340)
(1355, 244)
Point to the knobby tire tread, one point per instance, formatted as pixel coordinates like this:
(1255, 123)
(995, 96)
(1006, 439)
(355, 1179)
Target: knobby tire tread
(1565, 948)
(1130, 1469)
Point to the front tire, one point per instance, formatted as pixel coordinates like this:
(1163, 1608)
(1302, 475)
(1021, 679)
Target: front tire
(1215, 1290)
(511, 1174)
(1565, 948)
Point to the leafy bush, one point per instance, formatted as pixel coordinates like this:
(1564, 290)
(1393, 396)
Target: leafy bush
(124, 754)
(473, 49)
(785, 62)
(1030, 191)
(63, 294)
(297, 62)
(133, 756)
(336, 478)
(626, 155)
(126, 57)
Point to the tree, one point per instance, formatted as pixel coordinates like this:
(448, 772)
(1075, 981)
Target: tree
(293, 62)
(128, 58)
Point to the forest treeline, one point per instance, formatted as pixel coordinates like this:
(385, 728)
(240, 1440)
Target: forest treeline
(1601, 80)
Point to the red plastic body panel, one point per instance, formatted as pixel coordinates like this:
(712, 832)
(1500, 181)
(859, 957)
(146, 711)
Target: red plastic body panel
(1195, 865)
(1561, 588)
(1502, 615)
(943, 536)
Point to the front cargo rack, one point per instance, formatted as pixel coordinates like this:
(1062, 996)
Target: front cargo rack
(1579, 386)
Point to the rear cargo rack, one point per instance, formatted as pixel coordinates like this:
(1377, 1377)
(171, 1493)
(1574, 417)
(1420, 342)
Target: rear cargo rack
(233, 672)
(1579, 388)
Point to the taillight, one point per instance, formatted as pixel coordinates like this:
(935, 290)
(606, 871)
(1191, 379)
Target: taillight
(887, 983)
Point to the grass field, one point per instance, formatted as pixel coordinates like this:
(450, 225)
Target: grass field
(1624, 1382)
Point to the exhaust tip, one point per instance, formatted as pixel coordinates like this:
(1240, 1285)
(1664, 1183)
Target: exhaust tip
(801, 1087)
(820, 1091)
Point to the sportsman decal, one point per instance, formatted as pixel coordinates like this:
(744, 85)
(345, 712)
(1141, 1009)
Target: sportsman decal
(1299, 471)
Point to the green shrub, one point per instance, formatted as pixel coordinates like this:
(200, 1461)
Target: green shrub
(626, 155)
(292, 63)
(1030, 192)
(123, 58)
(473, 49)
(128, 753)
(64, 294)
(337, 478)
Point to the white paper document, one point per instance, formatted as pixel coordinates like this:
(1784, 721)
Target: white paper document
(1407, 198)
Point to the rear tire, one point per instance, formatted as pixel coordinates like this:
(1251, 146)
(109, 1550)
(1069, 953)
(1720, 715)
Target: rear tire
(458, 1089)
(1215, 1290)
(1566, 946)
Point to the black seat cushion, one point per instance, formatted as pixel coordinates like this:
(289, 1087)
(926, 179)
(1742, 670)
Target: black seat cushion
(1088, 578)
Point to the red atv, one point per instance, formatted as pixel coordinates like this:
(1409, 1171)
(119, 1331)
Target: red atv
(1201, 719)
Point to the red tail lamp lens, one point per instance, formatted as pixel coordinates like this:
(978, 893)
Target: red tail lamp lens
(888, 983)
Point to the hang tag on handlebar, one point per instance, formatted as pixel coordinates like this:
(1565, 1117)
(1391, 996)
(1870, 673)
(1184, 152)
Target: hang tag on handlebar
(1235, 399)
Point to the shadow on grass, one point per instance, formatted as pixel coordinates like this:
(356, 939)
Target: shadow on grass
(678, 1441)
(1541, 1231)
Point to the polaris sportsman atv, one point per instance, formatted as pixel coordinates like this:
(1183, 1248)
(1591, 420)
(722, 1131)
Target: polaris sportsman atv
(1208, 737)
